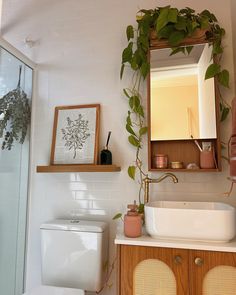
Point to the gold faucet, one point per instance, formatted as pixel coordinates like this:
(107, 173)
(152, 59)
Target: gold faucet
(148, 180)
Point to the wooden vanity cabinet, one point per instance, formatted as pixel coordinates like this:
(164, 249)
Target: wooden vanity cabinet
(212, 273)
(175, 259)
(166, 271)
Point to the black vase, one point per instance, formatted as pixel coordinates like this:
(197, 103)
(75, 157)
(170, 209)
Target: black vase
(106, 157)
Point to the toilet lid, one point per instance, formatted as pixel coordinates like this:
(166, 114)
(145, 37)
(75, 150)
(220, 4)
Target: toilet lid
(75, 225)
(49, 290)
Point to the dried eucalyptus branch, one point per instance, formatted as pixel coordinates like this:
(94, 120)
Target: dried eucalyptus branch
(15, 110)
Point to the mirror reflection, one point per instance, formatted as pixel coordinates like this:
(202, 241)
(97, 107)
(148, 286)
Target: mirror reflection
(182, 102)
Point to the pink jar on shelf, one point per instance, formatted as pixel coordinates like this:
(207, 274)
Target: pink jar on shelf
(207, 160)
(160, 161)
(132, 222)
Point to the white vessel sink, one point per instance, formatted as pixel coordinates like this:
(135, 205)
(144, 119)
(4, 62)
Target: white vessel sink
(199, 221)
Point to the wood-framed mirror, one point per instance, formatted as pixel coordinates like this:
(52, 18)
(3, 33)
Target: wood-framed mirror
(183, 108)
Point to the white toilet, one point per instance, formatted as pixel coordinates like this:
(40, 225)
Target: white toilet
(49, 290)
(74, 253)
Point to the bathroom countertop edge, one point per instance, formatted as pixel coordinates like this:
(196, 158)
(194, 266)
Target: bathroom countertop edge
(148, 241)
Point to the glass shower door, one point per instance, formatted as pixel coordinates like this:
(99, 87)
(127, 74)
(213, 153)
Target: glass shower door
(14, 166)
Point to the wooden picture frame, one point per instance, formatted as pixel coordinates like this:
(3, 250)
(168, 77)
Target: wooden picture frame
(75, 137)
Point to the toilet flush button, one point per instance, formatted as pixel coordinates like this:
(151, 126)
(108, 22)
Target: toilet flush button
(74, 221)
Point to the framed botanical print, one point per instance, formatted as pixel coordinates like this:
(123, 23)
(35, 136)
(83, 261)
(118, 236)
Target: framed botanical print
(75, 134)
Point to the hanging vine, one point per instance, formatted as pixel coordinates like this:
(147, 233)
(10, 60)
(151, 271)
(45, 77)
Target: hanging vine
(174, 26)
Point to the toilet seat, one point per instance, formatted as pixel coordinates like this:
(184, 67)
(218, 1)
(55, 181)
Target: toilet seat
(49, 290)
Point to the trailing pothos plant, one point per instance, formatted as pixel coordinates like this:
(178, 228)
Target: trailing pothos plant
(172, 25)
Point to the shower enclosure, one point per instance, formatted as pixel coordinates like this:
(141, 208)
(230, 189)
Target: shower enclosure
(14, 174)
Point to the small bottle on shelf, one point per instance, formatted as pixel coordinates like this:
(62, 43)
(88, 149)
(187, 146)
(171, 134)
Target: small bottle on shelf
(106, 155)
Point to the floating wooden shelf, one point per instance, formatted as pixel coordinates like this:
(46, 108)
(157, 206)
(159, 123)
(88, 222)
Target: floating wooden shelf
(77, 168)
(184, 170)
(184, 151)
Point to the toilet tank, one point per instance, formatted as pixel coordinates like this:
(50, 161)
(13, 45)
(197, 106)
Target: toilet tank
(74, 254)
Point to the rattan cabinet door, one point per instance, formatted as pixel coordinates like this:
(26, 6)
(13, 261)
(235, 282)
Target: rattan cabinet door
(153, 271)
(212, 273)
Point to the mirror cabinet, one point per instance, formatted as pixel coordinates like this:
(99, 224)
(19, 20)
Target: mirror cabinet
(183, 108)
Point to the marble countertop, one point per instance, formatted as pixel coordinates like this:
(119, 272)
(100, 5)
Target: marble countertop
(148, 241)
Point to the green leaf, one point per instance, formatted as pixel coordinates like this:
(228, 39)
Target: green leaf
(217, 48)
(146, 23)
(144, 41)
(212, 71)
(181, 24)
(134, 102)
(122, 70)
(189, 49)
(131, 102)
(177, 50)
(126, 93)
(224, 113)
(136, 60)
(145, 68)
(141, 208)
(143, 130)
(190, 29)
(127, 53)
(128, 119)
(213, 18)
(194, 25)
(117, 216)
(219, 31)
(146, 11)
(176, 38)
(134, 141)
(187, 10)
(162, 19)
(165, 32)
(172, 15)
(209, 15)
(190, 10)
(142, 54)
(134, 64)
(130, 32)
(137, 57)
(204, 21)
(140, 111)
(166, 15)
(131, 171)
(223, 78)
(130, 130)
(222, 32)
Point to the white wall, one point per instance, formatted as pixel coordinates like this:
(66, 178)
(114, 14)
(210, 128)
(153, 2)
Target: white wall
(79, 45)
(233, 10)
(206, 90)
